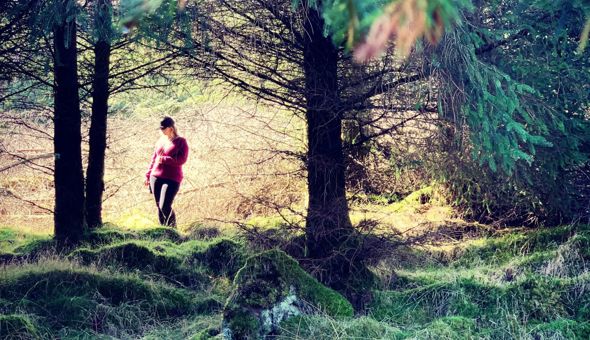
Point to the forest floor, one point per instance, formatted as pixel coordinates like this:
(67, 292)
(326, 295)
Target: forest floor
(464, 281)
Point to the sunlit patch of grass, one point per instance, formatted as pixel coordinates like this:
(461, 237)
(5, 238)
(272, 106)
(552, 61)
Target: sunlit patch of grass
(136, 219)
(29, 229)
(12, 238)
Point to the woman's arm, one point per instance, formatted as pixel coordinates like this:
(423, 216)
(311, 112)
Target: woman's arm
(149, 171)
(180, 156)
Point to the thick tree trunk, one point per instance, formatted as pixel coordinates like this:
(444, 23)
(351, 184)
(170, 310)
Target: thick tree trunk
(69, 182)
(98, 123)
(328, 225)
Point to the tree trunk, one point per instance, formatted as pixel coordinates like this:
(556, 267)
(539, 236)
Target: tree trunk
(98, 122)
(69, 182)
(328, 225)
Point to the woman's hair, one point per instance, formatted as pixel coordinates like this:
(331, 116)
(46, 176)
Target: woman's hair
(175, 131)
(169, 122)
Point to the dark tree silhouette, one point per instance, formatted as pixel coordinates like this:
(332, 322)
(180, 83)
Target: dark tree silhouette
(98, 125)
(69, 179)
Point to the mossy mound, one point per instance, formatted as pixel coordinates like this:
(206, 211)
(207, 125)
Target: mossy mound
(161, 234)
(272, 287)
(534, 297)
(37, 248)
(221, 256)
(99, 301)
(499, 250)
(13, 327)
(198, 231)
(145, 257)
(104, 236)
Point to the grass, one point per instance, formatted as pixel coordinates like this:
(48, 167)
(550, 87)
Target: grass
(155, 282)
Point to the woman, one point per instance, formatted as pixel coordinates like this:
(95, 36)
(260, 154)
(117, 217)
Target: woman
(165, 171)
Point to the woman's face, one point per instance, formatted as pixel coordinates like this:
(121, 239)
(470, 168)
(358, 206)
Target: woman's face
(168, 132)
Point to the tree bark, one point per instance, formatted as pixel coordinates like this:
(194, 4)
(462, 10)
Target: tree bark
(69, 182)
(98, 121)
(328, 224)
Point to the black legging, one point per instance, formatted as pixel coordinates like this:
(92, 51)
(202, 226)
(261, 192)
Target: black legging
(164, 191)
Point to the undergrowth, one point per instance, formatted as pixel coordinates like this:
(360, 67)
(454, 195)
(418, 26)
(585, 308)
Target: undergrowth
(157, 283)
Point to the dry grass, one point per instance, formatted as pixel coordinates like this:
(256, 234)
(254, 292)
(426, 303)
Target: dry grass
(235, 168)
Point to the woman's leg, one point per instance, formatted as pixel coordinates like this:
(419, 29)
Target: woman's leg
(168, 192)
(156, 185)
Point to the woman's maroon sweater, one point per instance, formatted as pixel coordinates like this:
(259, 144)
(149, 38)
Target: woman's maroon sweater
(168, 159)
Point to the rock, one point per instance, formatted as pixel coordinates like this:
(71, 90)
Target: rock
(269, 289)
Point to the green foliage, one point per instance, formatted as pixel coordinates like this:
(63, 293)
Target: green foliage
(500, 127)
(350, 20)
(14, 326)
(514, 113)
(565, 328)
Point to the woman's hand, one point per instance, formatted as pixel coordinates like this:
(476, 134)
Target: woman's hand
(146, 182)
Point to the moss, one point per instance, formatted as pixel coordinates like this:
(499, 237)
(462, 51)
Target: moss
(37, 247)
(208, 305)
(265, 281)
(20, 327)
(104, 236)
(500, 250)
(81, 299)
(533, 297)
(275, 265)
(200, 232)
(241, 323)
(161, 233)
(223, 257)
(205, 334)
(148, 257)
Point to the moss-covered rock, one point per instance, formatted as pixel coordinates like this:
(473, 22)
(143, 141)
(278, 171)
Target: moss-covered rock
(19, 327)
(270, 288)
